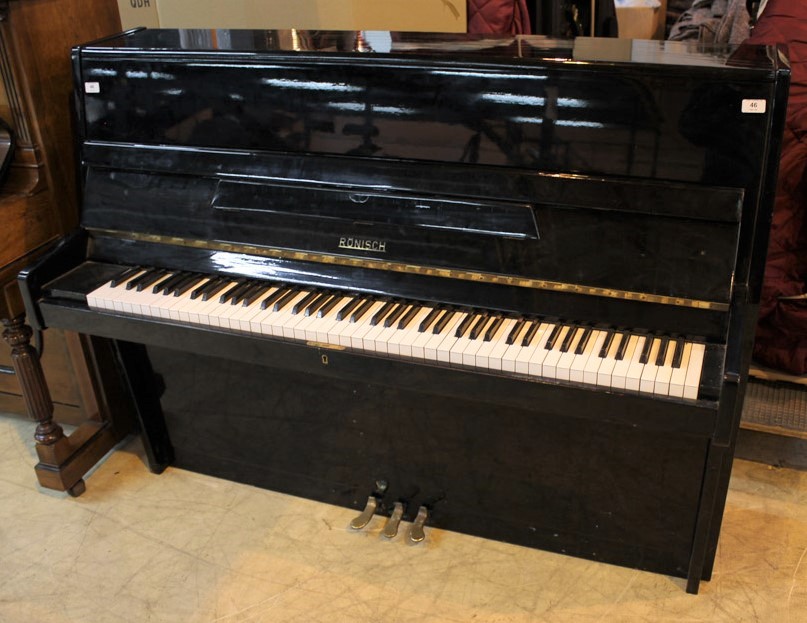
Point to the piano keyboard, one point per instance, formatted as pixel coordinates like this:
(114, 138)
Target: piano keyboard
(616, 359)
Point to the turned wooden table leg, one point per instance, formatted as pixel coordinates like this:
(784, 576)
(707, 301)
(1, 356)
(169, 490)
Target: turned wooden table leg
(32, 381)
(52, 447)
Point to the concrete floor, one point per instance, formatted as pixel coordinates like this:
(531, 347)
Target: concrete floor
(187, 548)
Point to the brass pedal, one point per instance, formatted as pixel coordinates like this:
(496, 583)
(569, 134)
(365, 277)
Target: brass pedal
(366, 515)
(416, 533)
(391, 527)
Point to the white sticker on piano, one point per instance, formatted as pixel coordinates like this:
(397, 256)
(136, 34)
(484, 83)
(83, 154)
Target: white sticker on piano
(753, 106)
(92, 87)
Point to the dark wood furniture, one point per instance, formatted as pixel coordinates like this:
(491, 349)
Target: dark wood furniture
(38, 204)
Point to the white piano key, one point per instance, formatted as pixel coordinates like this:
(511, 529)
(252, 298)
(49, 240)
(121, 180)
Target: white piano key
(519, 355)
(679, 375)
(633, 378)
(364, 325)
(584, 368)
(606, 367)
(619, 378)
(537, 352)
(327, 330)
(500, 346)
(482, 356)
(512, 351)
(253, 310)
(446, 335)
(549, 368)
(662, 384)
(647, 381)
(443, 351)
(423, 338)
(694, 369)
(567, 359)
(410, 333)
(384, 338)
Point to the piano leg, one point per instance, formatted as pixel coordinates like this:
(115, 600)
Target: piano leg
(63, 460)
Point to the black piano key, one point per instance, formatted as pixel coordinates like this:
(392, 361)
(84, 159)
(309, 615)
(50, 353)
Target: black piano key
(273, 298)
(440, 325)
(395, 314)
(494, 326)
(362, 310)
(151, 272)
(479, 326)
(147, 279)
(126, 274)
(285, 299)
(532, 331)
(317, 303)
(217, 286)
(623, 346)
(386, 308)
(304, 302)
(678, 355)
(325, 309)
(409, 316)
(513, 335)
(569, 339)
(169, 287)
(606, 345)
(581, 345)
(553, 337)
(345, 312)
(186, 285)
(229, 295)
(429, 319)
(662, 351)
(465, 325)
(207, 285)
(257, 293)
(648, 345)
(249, 288)
(164, 284)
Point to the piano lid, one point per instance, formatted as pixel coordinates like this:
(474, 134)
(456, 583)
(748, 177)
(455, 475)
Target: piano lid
(470, 47)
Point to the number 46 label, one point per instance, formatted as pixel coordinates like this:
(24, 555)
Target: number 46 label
(753, 106)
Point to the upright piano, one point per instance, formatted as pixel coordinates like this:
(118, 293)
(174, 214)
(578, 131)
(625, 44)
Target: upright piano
(504, 286)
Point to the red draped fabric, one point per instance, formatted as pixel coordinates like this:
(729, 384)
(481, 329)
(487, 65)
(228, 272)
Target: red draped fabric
(781, 340)
(499, 16)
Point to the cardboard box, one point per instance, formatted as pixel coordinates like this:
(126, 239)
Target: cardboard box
(403, 15)
(135, 13)
(637, 19)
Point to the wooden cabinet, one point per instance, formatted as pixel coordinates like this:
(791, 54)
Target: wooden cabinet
(38, 204)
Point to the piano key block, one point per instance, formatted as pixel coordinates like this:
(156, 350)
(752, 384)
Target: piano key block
(471, 338)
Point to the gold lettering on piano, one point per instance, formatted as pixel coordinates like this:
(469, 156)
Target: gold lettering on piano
(431, 271)
(363, 244)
